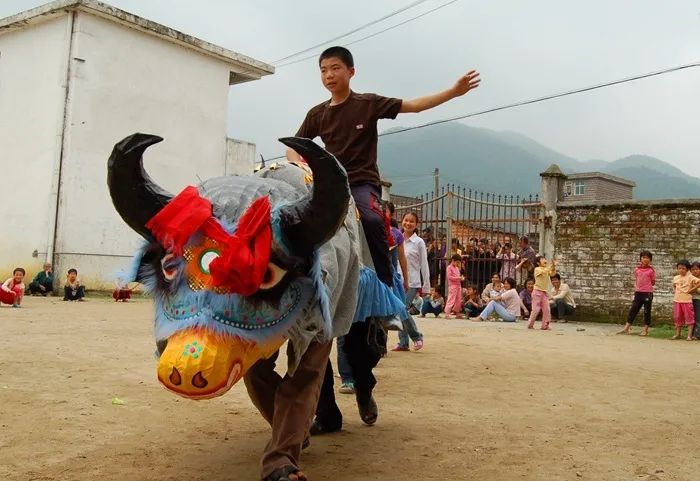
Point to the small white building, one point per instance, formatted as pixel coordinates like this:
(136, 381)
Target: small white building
(76, 76)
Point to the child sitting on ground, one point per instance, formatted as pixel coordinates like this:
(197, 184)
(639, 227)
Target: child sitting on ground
(526, 295)
(73, 289)
(473, 304)
(683, 313)
(433, 304)
(454, 288)
(12, 290)
(121, 292)
(644, 282)
(416, 304)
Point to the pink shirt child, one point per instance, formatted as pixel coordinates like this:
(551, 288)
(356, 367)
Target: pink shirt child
(454, 277)
(645, 279)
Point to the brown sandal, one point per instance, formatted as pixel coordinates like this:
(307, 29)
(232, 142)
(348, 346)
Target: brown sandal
(282, 474)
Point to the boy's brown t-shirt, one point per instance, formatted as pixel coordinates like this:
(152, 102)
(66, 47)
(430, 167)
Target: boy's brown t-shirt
(349, 131)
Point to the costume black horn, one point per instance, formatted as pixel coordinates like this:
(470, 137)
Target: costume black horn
(316, 218)
(135, 196)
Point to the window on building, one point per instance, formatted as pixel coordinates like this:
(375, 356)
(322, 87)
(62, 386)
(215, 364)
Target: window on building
(579, 187)
(567, 188)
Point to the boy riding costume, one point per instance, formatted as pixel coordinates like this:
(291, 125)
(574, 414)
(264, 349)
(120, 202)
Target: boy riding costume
(347, 124)
(349, 130)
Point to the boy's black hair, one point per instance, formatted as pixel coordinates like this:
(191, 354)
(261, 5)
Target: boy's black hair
(529, 279)
(556, 276)
(456, 257)
(525, 239)
(695, 264)
(645, 254)
(510, 281)
(390, 205)
(496, 274)
(341, 53)
(683, 262)
(71, 271)
(19, 269)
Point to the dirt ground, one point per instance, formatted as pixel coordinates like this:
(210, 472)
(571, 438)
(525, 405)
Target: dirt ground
(481, 402)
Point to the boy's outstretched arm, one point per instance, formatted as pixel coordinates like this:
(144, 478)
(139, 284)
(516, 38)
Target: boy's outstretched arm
(464, 84)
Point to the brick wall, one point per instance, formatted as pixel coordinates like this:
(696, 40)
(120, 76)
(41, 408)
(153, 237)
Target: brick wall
(598, 245)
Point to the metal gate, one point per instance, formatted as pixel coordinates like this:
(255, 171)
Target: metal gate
(475, 225)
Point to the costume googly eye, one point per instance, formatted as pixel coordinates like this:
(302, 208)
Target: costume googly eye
(206, 258)
(273, 276)
(168, 267)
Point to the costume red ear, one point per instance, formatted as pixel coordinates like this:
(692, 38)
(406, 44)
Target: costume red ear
(242, 265)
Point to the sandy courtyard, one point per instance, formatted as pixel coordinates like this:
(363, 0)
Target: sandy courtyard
(483, 402)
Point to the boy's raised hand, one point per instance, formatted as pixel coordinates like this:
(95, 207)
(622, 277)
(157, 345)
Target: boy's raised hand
(467, 82)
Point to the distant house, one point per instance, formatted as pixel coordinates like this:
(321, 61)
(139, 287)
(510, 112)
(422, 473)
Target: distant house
(76, 76)
(592, 186)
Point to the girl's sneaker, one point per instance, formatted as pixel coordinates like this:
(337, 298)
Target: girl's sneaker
(399, 348)
(347, 388)
(418, 345)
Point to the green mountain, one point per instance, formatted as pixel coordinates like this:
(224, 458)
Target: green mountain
(508, 163)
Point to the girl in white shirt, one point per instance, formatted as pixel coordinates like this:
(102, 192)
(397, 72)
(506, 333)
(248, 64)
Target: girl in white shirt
(418, 278)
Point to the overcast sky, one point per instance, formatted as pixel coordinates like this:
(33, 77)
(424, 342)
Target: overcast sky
(522, 49)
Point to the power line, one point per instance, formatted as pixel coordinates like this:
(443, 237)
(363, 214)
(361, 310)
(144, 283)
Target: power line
(355, 30)
(372, 34)
(540, 99)
(547, 97)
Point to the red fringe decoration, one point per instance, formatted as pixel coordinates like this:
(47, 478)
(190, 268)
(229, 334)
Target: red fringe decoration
(182, 217)
(242, 265)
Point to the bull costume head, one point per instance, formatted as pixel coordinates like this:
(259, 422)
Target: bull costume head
(228, 262)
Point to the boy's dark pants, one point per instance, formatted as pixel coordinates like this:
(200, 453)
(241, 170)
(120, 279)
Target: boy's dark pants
(696, 329)
(366, 341)
(368, 200)
(71, 295)
(641, 299)
(473, 311)
(429, 309)
(362, 346)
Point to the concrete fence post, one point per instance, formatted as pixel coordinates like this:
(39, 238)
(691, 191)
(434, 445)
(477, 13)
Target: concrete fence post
(552, 191)
(386, 190)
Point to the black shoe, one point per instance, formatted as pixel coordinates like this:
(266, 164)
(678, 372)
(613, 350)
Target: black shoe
(368, 410)
(318, 429)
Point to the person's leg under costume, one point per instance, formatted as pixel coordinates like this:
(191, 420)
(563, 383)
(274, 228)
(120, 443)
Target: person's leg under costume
(287, 403)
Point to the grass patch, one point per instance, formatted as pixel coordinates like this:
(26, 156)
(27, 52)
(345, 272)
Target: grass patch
(664, 331)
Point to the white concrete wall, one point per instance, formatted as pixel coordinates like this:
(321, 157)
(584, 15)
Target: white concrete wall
(32, 76)
(240, 157)
(124, 81)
